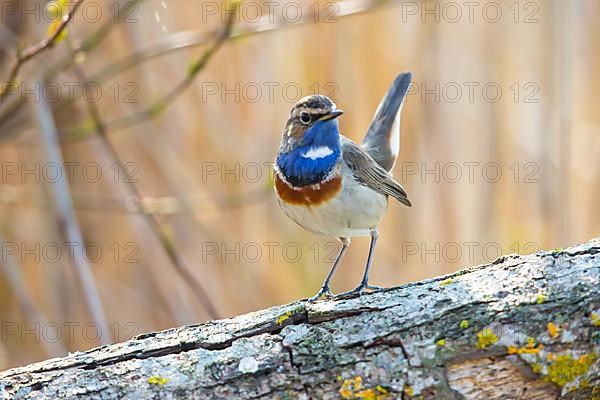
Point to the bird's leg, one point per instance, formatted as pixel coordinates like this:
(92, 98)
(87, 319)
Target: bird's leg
(364, 283)
(325, 290)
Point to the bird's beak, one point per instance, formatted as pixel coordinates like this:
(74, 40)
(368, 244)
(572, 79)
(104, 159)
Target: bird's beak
(331, 115)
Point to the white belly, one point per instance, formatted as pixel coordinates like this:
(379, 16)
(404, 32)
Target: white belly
(351, 212)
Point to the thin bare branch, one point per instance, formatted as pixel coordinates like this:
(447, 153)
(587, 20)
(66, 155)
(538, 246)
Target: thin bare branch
(151, 219)
(89, 43)
(161, 104)
(15, 196)
(179, 41)
(85, 46)
(187, 39)
(65, 214)
(32, 51)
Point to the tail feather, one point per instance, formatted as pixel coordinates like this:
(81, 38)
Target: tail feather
(382, 140)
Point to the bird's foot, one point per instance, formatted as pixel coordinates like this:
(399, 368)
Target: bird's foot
(359, 291)
(324, 292)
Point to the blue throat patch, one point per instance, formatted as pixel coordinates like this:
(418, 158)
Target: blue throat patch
(301, 171)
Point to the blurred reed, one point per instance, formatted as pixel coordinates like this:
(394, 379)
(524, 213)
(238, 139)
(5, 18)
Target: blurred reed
(183, 143)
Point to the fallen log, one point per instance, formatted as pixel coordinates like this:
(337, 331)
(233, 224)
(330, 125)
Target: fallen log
(522, 327)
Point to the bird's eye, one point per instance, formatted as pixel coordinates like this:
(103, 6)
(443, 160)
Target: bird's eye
(304, 117)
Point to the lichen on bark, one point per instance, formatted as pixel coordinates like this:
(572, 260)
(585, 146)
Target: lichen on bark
(520, 327)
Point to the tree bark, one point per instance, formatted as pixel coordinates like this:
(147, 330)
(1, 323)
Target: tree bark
(522, 327)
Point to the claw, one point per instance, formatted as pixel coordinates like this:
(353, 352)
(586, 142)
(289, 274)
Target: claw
(351, 293)
(359, 291)
(324, 292)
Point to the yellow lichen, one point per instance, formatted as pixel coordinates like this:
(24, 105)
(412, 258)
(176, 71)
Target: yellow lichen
(584, 384)
(353, 389)
(529, 348)
(157, 380)
(441, 342)
(537, 368)
(409, 390)
(553, 330)
(565, 369)
(378, 393)
(540, 298)
(486, 338)
(345, 392)
(381, 389)
(464, 324)
(283, 317)
(446, 282)
(595, 317)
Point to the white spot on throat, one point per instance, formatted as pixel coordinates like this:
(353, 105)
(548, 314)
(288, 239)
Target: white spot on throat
(315, 153)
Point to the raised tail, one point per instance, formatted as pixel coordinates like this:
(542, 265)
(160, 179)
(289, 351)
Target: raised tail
(382, 140)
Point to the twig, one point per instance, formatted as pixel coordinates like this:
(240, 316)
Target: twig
(159, 206)
(182, 40)
(159, 105)
(151, 219)
(67, 220)
(187, 39)
(88, 44)
(30, 52)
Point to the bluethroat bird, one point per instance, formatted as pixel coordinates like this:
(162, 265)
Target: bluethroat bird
(330, 185)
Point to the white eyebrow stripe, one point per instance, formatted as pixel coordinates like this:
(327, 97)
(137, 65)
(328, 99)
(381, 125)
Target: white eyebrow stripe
(318, 152)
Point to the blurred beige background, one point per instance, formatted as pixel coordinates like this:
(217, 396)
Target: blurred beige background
(499, 154)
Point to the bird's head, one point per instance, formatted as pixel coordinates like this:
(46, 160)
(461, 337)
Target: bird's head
(310, 146)
(311, 118)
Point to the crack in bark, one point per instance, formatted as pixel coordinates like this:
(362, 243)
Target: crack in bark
(290, 353)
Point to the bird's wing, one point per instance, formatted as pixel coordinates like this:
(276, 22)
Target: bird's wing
(382, 140)
(370, 174)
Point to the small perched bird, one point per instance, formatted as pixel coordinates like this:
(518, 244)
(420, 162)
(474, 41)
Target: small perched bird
(328, 184)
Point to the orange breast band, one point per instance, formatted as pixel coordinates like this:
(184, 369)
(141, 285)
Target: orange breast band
(309, 196)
